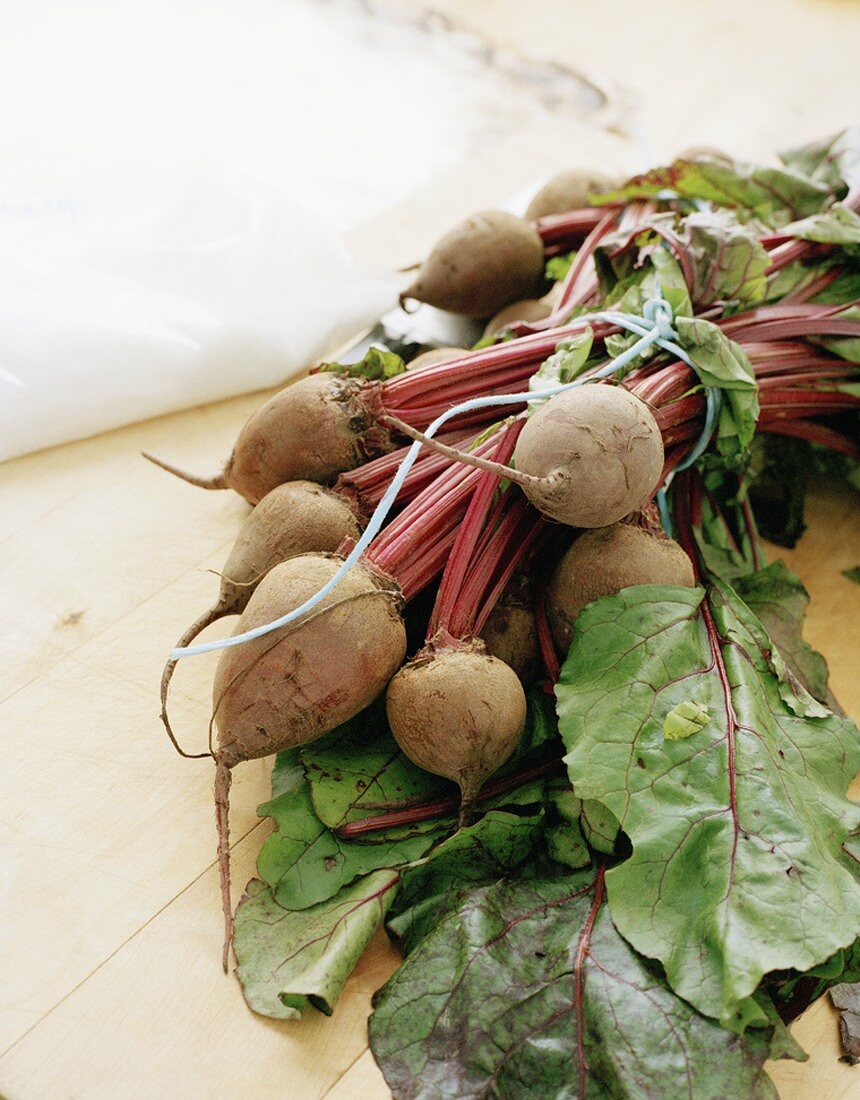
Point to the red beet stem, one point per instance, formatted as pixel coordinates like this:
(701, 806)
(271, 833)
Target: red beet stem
(442, 807)
(531, 533)
(568, 229)
(487, 370)
(486, 487)
(368, 483)
(414, 547)
(548, 653)
(814, 433)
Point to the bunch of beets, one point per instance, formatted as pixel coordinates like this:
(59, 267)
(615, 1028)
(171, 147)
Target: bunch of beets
(516, 517)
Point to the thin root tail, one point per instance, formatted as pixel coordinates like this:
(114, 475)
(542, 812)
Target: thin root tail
(196, 627)
(464, 816)
(218, 481)
(223, 779)
(464, 457)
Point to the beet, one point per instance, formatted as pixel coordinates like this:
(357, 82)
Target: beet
(529, 309)
(590, 455)
(569, 190)
(295, 518)
(311, 431)
(510, 633)
(457, 712)
(291, 686)
(602, 562)
(481, 265)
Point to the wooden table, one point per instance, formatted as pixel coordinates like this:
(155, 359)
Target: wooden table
(109, 913)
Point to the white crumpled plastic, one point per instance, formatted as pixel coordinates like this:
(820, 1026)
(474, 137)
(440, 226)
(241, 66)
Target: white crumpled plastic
(128, 307)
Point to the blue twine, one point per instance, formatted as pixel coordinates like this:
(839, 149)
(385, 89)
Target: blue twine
(713, 400)
(653, 327)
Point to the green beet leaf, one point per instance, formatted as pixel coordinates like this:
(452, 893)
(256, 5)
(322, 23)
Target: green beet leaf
(736, 831)
(725, 544)
(782, 1042)
(635, 266)
(377, 365)
(797, 276)
(565, 841)
(847, 347)
(304, 862)
(290, 961)
(832, 161)
(776, 195)
(777, 490)
(727, 260)
(831, 464)
(599, 826)
(722, 363)
(838, 225)
(498, 844)
(841, 291)
(558, 267)
(792, 993)
(566, 363)
(774, 593)
(525, 988)
(358, 770)
(777, 597)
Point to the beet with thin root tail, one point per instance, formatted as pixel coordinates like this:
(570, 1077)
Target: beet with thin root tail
(590, 455)
(601, 563)
(298, 517)
(292, 685)
(571, 190)
(484, 263)
(311, 431)
(457, 712)
(289, 687)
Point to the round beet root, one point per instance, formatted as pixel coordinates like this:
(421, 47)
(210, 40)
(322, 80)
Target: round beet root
(590, 455)
(568, 191)
(510, 634)
(311, 431)
(296, 518)
(601, 563)
(291, 686)
(481, 265)
(457, 712)
(529, 309)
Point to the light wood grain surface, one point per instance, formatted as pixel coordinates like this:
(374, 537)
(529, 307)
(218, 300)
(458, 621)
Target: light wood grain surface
(109, 912)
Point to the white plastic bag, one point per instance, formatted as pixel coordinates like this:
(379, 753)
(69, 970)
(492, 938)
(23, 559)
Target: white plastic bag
(129, 307)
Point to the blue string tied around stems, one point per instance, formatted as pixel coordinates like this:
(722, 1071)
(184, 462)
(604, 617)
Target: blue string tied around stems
(653, 327)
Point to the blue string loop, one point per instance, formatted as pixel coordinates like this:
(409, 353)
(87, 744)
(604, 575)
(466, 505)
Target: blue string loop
(653, 327)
